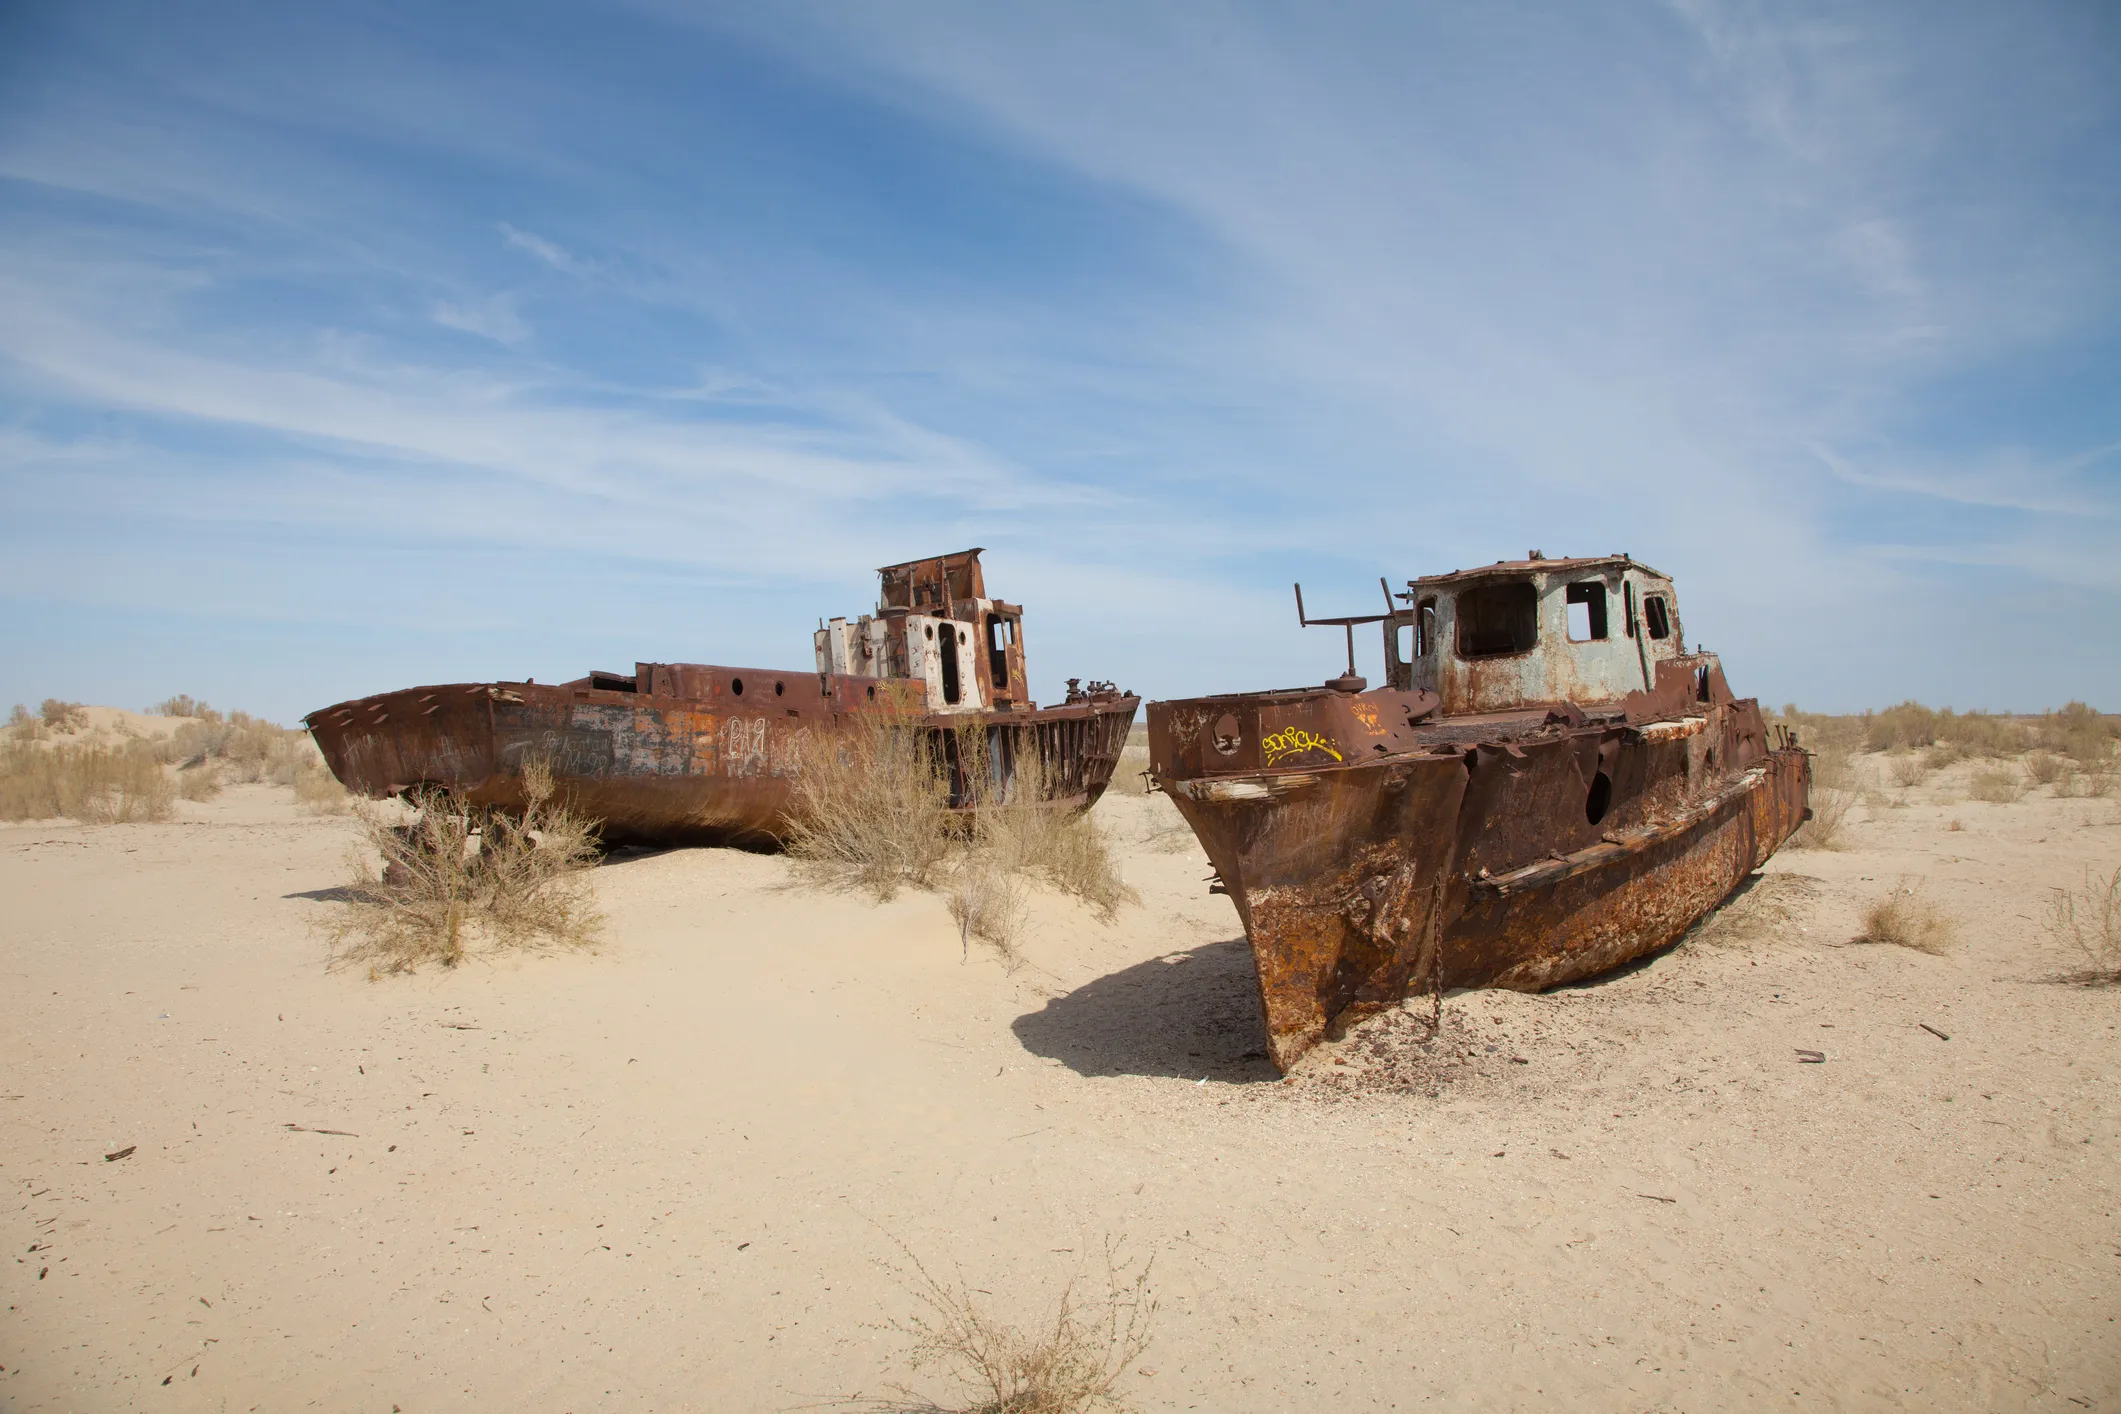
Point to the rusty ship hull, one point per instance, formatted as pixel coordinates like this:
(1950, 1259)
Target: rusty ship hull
(702, 753)
(673, 769)
(1378, 845)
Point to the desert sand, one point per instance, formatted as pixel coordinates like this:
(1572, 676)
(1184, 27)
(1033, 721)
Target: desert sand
(674, 1172)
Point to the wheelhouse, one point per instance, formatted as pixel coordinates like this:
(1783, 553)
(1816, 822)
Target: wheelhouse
(1587, 631)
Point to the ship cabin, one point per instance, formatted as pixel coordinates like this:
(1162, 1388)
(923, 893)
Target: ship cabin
(1518, 632)
(935, 624)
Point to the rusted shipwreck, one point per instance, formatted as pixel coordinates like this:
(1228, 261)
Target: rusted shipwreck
(685, 752)
(1547, 786)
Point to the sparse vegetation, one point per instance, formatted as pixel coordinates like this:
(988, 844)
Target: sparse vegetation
(1071, 1364)
(1832, 796)
(872, 811)
(455, 875)
(103, 785)
(317, 790)
(2088, 921)
(1905, 919)
(182, 705)
(1997, 785)
(198, 783)
(64, 717)
(1909, 768)
(241, 748)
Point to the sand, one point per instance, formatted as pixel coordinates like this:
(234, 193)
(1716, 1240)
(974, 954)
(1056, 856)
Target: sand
(673, 1173)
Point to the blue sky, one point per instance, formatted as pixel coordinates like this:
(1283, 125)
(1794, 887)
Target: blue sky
(346, 348)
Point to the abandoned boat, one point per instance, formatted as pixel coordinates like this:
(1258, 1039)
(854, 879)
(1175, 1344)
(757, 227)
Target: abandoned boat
(1547, 786)
(676, 752)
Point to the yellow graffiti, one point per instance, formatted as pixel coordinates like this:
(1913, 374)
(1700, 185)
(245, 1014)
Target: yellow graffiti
(1367, 715)
(1294, 741)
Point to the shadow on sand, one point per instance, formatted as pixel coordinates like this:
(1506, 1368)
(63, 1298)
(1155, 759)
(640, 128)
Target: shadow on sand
(1188, 1015)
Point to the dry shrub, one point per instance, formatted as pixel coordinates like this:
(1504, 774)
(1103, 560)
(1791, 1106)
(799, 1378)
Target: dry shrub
(1898, 728)
(1831, 797)
(102, 785)
(201, 782)
(317, 790)
(1130, 776)
(1996, 785)
(183, 705)
(1983, 733)
(1024, 833)
(22, 725)
(2044, 769)
(1070, 1364)
(2078, 732)
(1909, 769)
(1905, 919)
(2089, 921)
(870, 808)
(988, 903)
(245, 748)
(456, 875)
(63, 716)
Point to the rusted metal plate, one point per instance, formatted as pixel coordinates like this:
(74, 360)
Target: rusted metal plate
(1522, 841)
(695, 751)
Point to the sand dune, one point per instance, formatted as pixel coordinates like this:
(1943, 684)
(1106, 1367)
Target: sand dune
(668, 1174)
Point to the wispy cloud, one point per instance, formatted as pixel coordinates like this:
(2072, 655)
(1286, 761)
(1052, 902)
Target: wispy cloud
(1167, 306)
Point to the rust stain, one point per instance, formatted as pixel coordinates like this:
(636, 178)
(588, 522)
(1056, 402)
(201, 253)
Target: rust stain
(1552, 786)
(697, 751)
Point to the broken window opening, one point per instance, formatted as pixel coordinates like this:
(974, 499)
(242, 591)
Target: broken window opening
(1586, 610)
(949, 657)
(1498, 619)
(1659, 617)
(1403, 649)
(1425, 628)
(998, 637)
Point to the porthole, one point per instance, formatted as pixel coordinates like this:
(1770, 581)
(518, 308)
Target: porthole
(1600, 799)
(1227, 738)
(777, 689)
(736, 685)
(931, 631)
(872, 692)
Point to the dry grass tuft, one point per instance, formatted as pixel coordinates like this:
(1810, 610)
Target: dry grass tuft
(241, 747)
(871, 810)
(1910, 768)
(64, 717)
(455, 875)
(101, 785)
(1023, 834)
(1130, 776)
(987, 903)
(1071, 1364)
(317, 790)
(183, 705)
(2044, 769)
(2089, 921)
(201, 782)
(1905, 919)
(1832, 796)
(2078, 732)
(1997, 785)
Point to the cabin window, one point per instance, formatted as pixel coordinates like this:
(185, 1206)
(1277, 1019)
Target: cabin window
(1001, 633)
(1403, 643)
(1659, 617)
(1498, 619)
(1586, 603)
(1425, 627)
